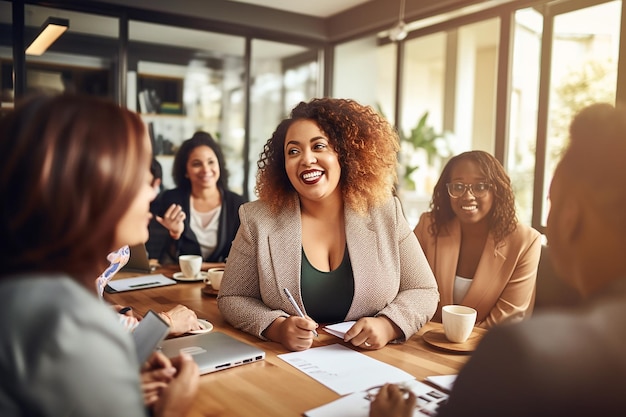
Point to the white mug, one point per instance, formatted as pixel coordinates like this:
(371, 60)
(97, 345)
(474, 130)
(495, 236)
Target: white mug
(190, 265)
(458, 322)
(214, 276)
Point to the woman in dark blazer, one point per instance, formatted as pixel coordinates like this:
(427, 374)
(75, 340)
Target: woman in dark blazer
(199, 216)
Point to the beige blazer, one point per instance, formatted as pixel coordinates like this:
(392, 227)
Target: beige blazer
(391, 274)
(503, 287)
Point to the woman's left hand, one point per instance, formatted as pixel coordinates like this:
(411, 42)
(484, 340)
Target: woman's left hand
(156, 373)
(372, 332)
(181, 320)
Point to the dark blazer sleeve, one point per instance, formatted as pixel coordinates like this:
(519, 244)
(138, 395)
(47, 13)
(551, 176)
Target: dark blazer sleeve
(160, 245)
(228, 225)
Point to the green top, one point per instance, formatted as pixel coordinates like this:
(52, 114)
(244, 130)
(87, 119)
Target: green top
(327, 296)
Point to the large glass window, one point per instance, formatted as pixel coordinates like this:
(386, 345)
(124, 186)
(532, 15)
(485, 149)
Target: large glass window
(366, 73)
(83, 59)
(448, 95)
(185, 81)
(282, 76)
(585, 47)
(423, 146)
(6, 58)
(522, 135)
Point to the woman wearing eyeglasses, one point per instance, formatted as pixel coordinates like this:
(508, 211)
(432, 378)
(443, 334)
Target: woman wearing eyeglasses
(482, 257)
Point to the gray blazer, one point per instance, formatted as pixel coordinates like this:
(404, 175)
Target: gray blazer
(391, 274)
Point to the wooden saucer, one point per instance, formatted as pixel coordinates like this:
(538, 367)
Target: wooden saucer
(438, 339)
(208, 290)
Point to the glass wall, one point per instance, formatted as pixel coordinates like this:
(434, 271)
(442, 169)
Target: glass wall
(185, 81)
(82, 60)
(282, 76)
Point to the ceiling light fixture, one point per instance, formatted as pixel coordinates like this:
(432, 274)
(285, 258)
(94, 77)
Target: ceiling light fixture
(50, 31)
(399, 32)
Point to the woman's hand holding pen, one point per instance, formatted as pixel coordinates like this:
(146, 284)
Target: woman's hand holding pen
(293, 332)
(372, 332)
(173, 220)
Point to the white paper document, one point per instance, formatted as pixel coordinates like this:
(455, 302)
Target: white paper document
(339, 329)
(139, 283)
(445, 382)
(344, 370)
(358, 403)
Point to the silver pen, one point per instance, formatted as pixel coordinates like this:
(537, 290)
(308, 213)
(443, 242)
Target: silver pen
(295, 305)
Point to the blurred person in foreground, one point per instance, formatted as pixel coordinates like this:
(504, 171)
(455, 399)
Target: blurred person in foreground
(569, 361)
(482, 257)
(74, 186)
(328, 228)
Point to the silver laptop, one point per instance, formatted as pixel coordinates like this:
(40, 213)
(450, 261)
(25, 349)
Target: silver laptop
(138, 260)
(213, 351)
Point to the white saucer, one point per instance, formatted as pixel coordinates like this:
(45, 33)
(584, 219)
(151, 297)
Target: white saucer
(200, 277)
(207, 327)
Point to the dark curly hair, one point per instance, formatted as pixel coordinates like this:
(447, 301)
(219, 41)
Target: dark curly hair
(366, 144)
(502, 219)
(179, 169)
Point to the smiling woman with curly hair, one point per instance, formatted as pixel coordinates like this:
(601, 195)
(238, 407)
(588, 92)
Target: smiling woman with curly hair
(481, 255)
(328, 230)
(366, 145)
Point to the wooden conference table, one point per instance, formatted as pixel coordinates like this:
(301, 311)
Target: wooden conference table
(272, 387)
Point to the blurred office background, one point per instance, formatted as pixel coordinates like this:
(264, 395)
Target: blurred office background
(451, 75)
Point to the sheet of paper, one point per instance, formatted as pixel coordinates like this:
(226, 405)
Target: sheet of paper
(339, 329)
(139, 283)
(358, 404)
(445, 382)
(344, 370)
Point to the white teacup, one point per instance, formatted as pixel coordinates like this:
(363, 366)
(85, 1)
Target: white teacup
(458, 322)
(214, 276)
(190, 265)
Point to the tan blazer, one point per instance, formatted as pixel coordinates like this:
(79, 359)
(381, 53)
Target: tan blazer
(503, 287)
(391, 274)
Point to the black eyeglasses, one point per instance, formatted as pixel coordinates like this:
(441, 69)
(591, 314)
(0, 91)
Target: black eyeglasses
(458, 189)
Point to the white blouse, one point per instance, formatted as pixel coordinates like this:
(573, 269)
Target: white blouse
(461, 287)
(205, 226)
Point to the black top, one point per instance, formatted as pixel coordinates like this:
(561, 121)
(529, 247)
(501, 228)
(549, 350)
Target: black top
(327, 296)
(162, 247)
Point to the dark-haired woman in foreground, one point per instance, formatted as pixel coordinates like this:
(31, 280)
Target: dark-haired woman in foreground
(74, 185)
(482, 257)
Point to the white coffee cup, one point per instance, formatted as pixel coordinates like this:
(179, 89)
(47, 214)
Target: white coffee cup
(458, 322)
(190, 265)
(214, 276)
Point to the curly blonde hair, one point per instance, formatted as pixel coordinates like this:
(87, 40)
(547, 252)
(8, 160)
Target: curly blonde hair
(366, 144)
(502, 218)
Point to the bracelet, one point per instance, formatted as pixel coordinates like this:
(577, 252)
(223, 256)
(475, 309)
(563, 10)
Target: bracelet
(168, 317)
